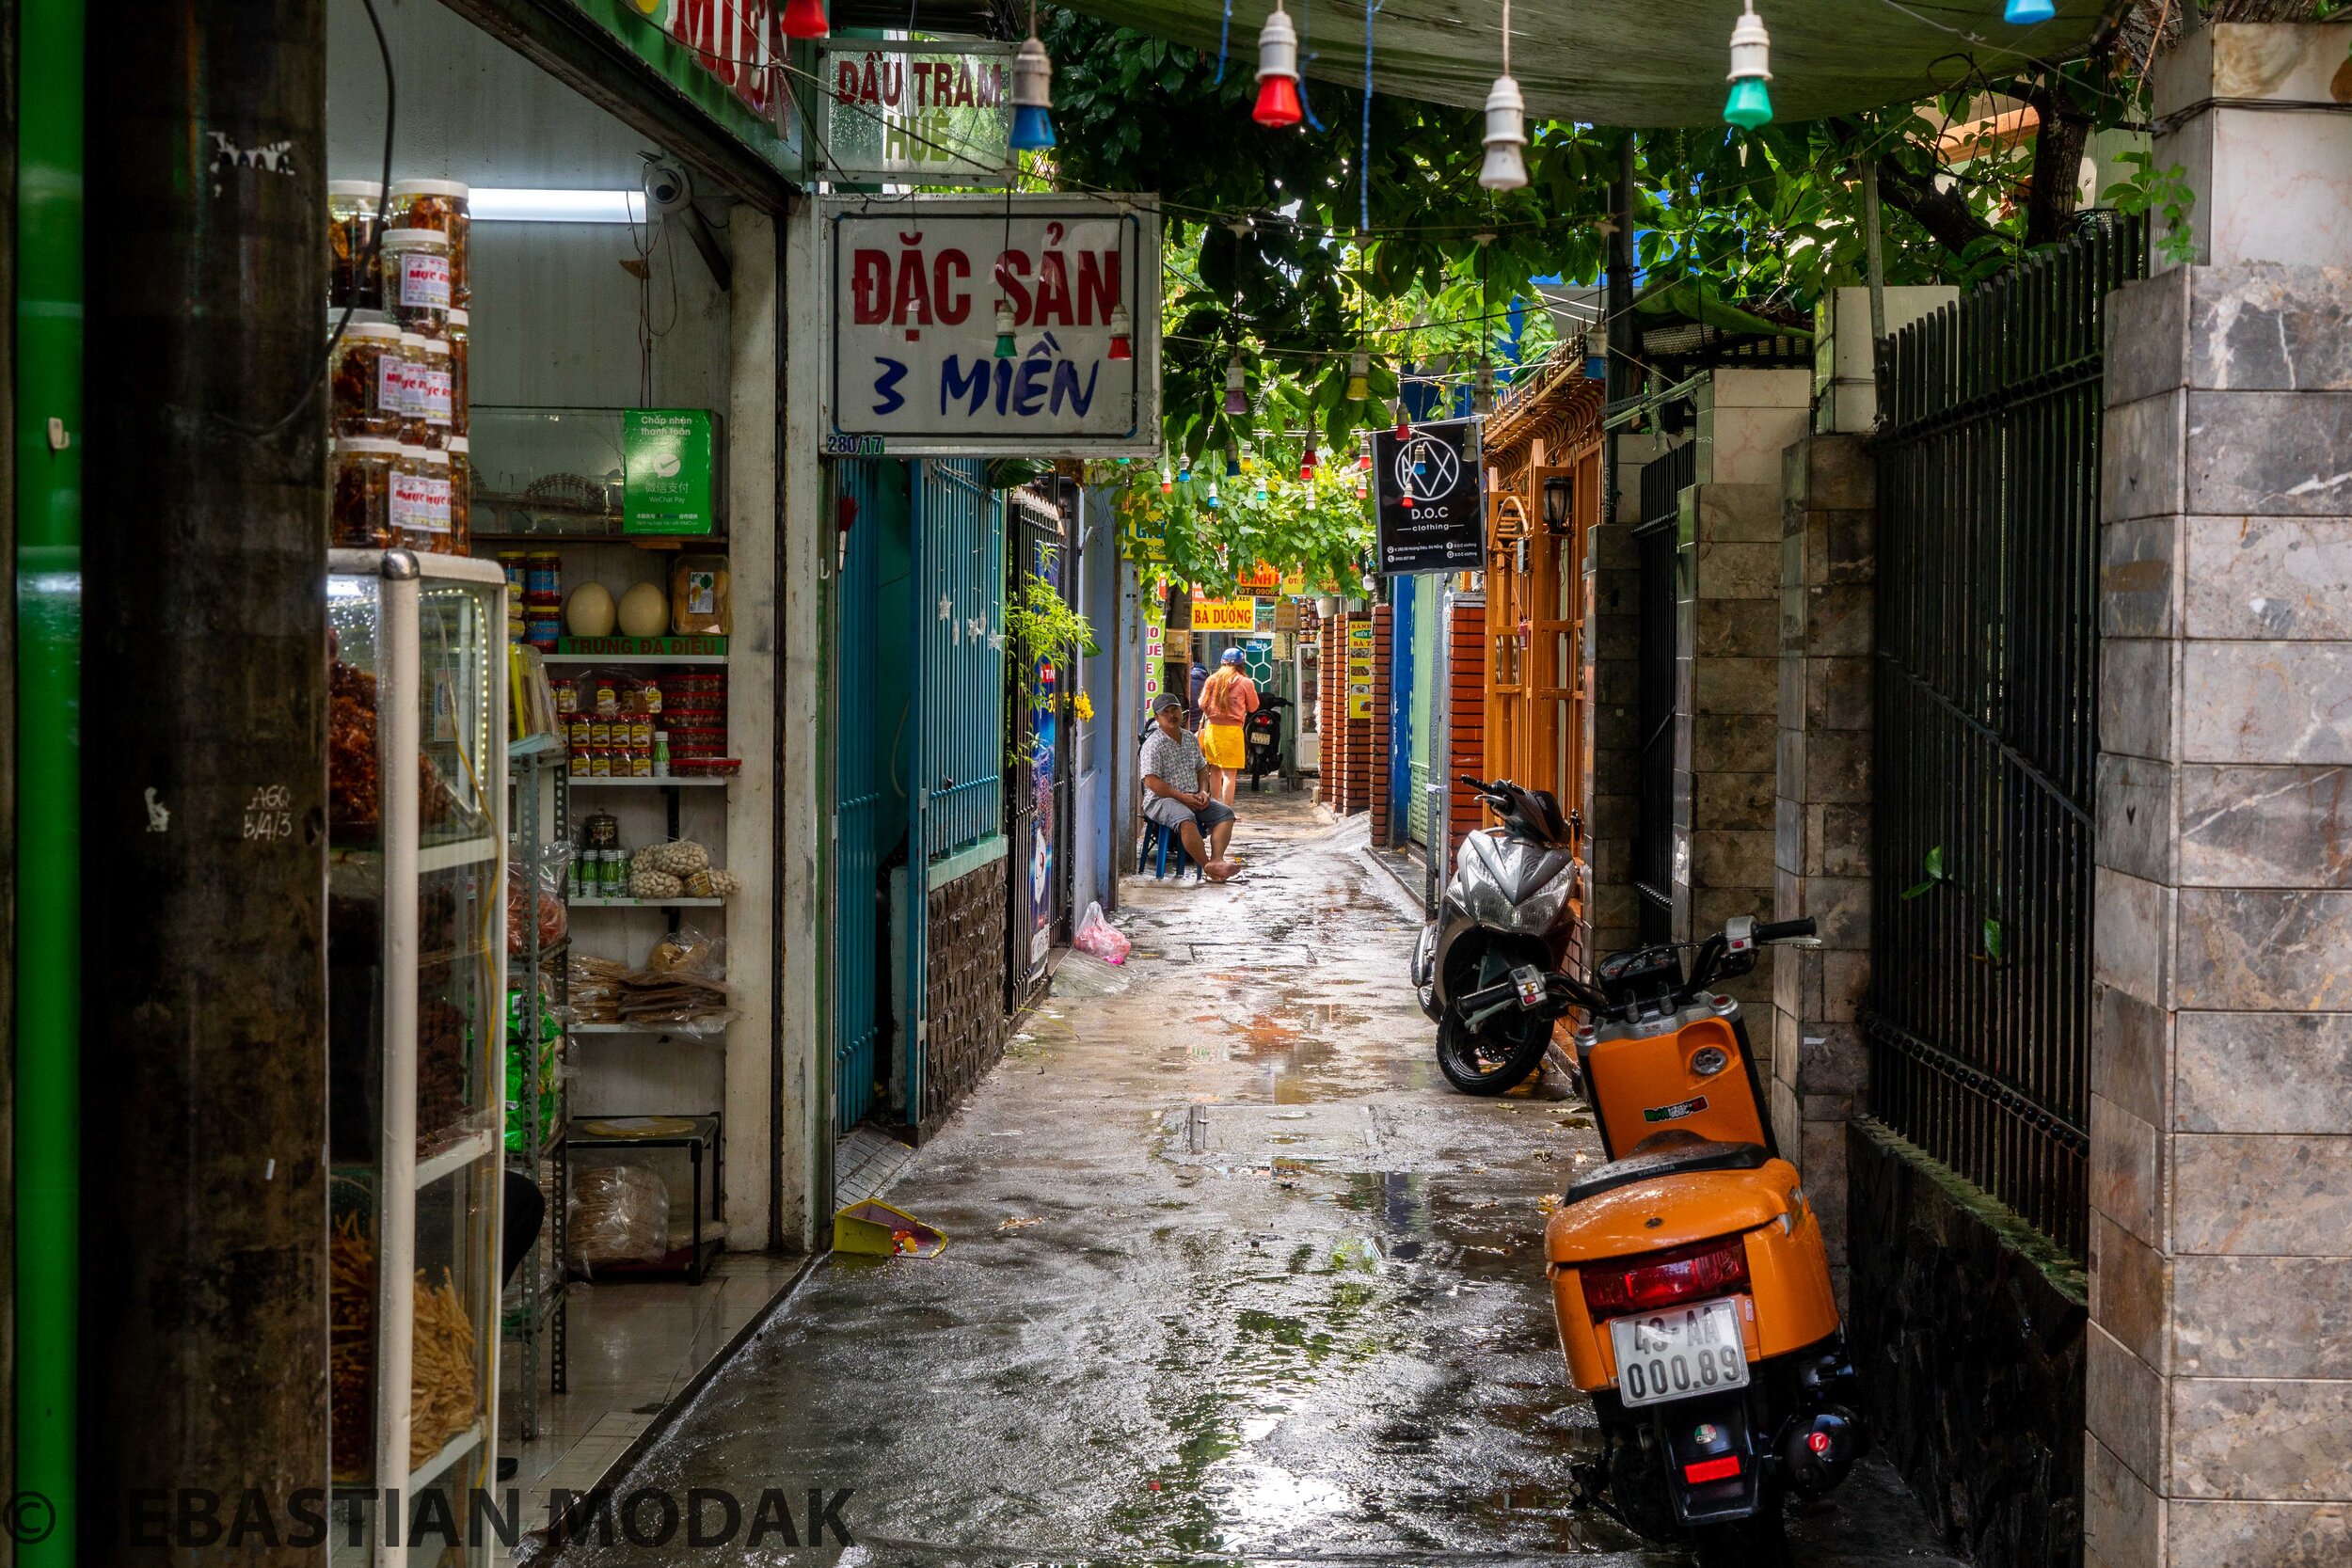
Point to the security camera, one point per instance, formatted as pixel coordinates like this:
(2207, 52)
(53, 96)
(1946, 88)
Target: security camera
(667, 188)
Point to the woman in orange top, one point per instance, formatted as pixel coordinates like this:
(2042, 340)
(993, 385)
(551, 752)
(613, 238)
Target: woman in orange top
(1226, 703)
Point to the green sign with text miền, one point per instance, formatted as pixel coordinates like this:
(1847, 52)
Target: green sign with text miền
(667, 469)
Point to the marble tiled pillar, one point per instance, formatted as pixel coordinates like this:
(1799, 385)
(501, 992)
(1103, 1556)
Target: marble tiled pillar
(1728, 626)
(1822, 841)
(2219, 1362)
(2219, 1376)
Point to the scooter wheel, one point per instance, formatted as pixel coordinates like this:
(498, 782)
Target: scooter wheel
(1494, 1062)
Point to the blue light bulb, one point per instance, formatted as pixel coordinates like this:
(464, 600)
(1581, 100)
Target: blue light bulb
(2025, 13)
(1032, 128)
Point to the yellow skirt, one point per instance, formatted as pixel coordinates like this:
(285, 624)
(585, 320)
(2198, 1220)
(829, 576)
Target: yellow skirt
(1222, 745)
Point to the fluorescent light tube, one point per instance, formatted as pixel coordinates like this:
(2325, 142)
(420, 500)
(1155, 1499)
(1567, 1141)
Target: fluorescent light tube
(488, 205)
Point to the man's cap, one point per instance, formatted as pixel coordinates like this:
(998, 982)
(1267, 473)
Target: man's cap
(1165, 700)
(1231, 656)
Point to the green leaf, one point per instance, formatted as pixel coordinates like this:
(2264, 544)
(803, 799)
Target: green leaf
(1993, 945)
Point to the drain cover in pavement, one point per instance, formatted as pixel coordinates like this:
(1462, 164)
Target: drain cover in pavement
(1252, 955)
(1260, 1135)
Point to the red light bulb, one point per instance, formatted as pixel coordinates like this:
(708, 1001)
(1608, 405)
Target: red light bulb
(806, 19)
(1277, 72)
(1278, 102)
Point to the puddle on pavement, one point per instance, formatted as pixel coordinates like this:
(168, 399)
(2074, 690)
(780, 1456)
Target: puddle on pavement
(1314, 1346)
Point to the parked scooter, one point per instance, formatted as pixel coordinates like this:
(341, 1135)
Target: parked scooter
(1505, 910)
(1262, 739)
(1688, 1275)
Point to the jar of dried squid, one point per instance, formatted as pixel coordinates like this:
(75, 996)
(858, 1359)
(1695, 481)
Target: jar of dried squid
(434, 389)
(411, 504)
(355, 274)
(415, 278)
(441, 205)
(412, 425)
(369, 384)
(360, 517)
(460, 335)
(433, 471)
(460, 495)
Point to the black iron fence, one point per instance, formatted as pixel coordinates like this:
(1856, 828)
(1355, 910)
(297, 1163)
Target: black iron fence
(1988, 515)
(1657, 542)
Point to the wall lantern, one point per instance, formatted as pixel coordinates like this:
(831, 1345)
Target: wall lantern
(1556, 497)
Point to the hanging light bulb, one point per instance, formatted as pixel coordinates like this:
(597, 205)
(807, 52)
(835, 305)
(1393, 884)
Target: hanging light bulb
(1032, 96)
(1506, 132)
(1213, 502)
(1233, 466)
(1249, 461)
(1122, 332)
(806, 19)
(1484, 399)
(1507, 124)
(1184, 470)
(1237, 401)
(1168, 481)
(1307, 462)
(1277, 72)
(1750, 105)
(1005, 325)
(1404, 424)
(1365, 461)
(2025, 13)
(1359, 367)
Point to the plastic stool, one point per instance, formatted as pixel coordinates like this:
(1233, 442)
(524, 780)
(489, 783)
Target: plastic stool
(1159, 840)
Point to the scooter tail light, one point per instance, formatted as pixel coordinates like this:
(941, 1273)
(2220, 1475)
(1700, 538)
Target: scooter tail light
(1711, 1469)
(1644, 1284)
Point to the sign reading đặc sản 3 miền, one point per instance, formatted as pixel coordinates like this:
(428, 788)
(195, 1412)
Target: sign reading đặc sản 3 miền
(916, 283)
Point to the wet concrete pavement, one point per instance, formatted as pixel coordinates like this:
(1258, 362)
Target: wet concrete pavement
(1234, 1278)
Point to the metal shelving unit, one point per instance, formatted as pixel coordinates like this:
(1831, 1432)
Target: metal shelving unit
(533, 1317)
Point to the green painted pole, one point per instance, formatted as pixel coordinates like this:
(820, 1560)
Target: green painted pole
(48, 835)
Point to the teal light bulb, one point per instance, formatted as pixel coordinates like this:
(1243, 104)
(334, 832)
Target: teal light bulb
(2025, 13)
(1749, 104)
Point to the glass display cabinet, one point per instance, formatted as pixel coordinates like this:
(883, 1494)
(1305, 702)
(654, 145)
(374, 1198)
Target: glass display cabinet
(417, 943)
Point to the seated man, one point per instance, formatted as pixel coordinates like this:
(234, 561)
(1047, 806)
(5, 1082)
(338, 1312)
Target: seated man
(1172, 794)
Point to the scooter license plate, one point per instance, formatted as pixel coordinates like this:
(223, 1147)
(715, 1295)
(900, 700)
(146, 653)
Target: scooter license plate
(1680, 1352)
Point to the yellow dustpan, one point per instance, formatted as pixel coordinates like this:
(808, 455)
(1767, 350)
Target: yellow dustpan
(876, 1229)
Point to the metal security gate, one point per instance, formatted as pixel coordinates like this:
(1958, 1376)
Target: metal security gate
(956, 778)
(1988, 519)
(1657, 543)
(861, 784)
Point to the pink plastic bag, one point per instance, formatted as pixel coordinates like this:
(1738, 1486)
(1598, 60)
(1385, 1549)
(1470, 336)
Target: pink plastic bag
(1097, 936)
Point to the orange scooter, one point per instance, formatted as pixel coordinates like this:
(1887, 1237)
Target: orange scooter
(1688, 1273)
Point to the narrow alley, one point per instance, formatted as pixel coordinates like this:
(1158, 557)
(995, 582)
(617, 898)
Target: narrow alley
(1232, 1276)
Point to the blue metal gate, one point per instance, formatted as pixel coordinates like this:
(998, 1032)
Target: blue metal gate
(956, 778)
(861, 784)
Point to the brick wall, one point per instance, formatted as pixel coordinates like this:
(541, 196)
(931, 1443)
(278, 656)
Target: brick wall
(964, 994)
(1466, 732)
(1358, 742)
(1377, 760)
(1330, 714)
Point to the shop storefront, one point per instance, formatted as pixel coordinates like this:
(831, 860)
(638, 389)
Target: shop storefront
(559, 371)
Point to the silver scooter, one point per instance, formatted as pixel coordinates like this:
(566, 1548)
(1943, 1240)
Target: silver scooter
(1504, 915)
